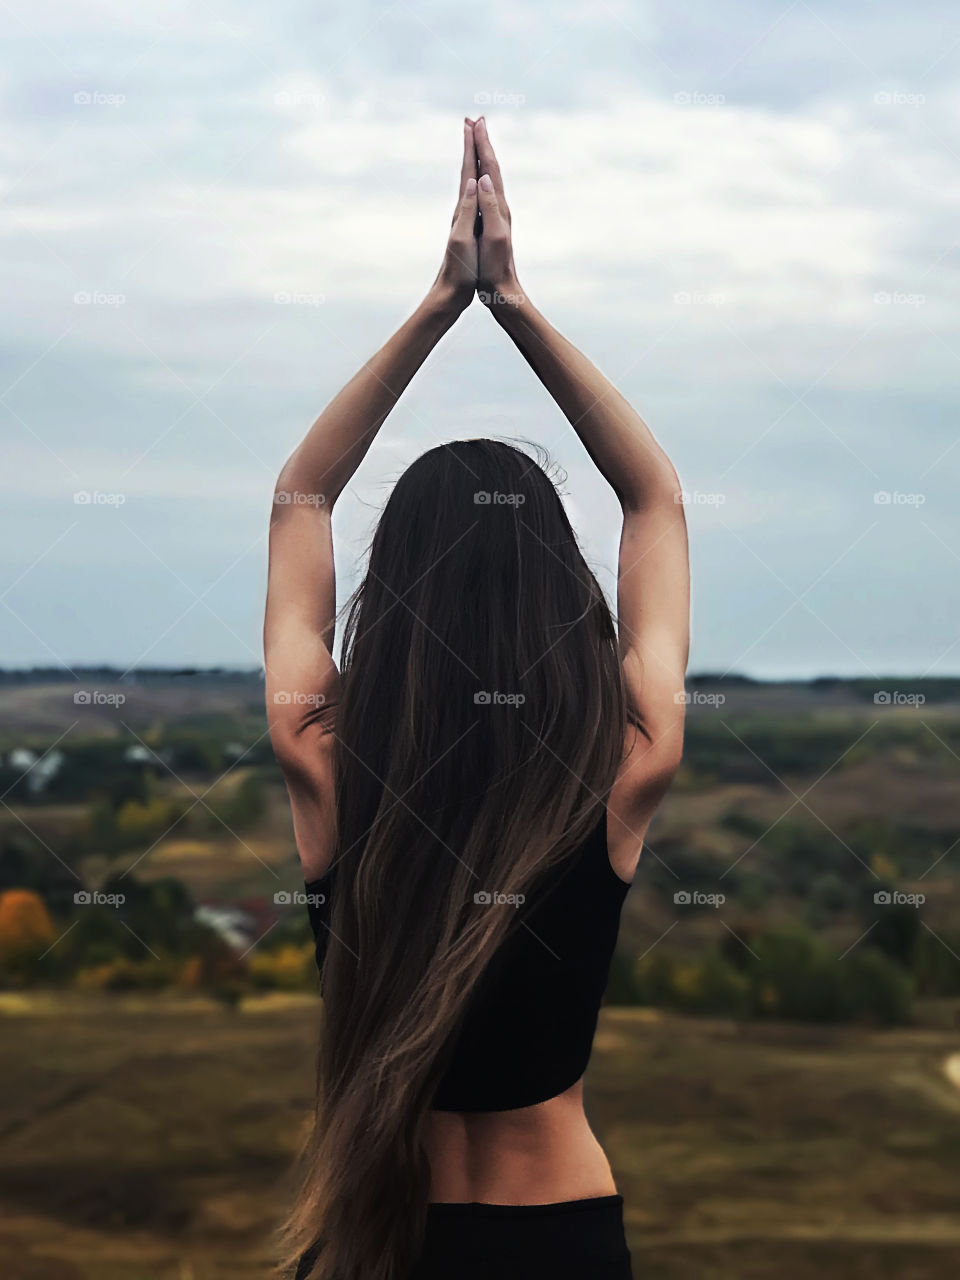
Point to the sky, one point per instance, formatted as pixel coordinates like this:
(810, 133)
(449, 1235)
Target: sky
(745, 214)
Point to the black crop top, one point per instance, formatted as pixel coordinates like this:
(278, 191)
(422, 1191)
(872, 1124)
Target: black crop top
(530, 1021)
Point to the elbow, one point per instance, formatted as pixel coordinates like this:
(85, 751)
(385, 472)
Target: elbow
(656, 486)
(296, 489)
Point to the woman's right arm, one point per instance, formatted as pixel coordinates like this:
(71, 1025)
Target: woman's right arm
(302, 679)
(653, 573)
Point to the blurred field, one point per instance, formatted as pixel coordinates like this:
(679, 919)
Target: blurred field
(148, 1139)
(147, 1125)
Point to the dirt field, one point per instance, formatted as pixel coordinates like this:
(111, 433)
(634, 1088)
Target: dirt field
(148, 1140)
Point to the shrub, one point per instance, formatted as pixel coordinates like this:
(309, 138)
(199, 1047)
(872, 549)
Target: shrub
(26, 932)
(286, 968)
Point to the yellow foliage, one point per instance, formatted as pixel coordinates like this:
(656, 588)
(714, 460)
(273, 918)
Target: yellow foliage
(25, 925)
(289, 967)
(688, 980)
(140, 821)
(884, 867)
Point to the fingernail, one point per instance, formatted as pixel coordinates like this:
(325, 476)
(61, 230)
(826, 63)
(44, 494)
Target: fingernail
(471, 186)
(482, 120)
(486, 183)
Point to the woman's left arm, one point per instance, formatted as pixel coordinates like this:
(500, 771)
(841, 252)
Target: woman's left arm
(302, 681)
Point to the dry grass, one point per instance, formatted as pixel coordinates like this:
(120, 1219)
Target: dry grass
(150, 1138)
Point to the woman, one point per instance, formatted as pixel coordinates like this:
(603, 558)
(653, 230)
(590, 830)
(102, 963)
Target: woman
(470, 797)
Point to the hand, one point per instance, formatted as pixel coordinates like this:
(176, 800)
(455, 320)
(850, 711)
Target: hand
(497, 283)
(457, 279)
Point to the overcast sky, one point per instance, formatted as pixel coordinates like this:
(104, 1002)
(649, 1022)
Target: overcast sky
(746, 214)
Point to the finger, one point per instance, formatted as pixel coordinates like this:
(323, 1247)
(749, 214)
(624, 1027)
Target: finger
(466, 210)
(486, 155)
(468, 169)
(494, 223)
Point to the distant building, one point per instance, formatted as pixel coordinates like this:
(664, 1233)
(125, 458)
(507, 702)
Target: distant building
(241, 924)
(237, 928)
(38, 770)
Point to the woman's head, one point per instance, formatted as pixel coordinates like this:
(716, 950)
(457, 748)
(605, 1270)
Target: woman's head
(476, 589)
(479, 728)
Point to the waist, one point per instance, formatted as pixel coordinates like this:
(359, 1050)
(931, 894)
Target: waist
(542, 1154)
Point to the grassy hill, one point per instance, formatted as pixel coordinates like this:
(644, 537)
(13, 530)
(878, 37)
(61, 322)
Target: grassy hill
(808, 848)
(149, 1141)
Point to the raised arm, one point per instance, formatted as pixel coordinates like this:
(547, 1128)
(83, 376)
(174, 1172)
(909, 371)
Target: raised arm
(653, 574)
(302, 683)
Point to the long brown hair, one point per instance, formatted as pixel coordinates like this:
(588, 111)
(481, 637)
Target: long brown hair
(479, 729)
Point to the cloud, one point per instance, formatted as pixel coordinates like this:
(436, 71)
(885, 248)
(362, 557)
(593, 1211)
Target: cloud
(211, 217)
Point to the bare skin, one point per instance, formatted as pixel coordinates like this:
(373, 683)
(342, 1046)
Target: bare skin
(537, 1155)
(546, 1153)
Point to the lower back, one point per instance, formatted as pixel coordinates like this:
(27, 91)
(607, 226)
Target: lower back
(535, 1155)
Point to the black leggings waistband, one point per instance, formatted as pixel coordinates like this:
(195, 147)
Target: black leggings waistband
(568, 1240)
(565, 1240)
(480, 1208)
